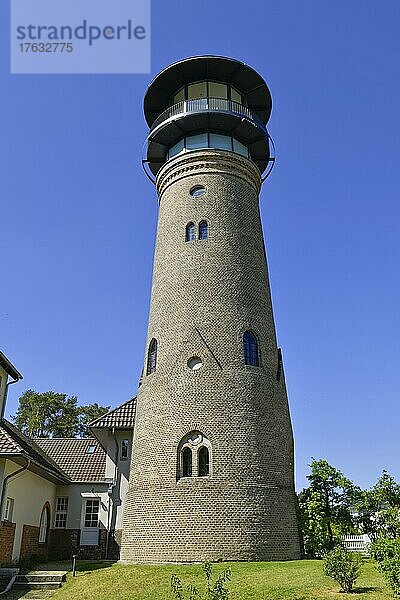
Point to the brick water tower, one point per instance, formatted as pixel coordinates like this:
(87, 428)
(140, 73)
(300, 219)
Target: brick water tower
(212, 462)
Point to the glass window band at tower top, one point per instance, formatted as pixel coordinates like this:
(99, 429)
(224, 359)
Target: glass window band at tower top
(207, 102)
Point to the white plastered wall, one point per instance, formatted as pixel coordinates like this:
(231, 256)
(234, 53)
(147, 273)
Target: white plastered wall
(123, 470)
(30, 493)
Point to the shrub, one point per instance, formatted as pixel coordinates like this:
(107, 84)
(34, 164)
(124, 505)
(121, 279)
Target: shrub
(386, 552)
(215, 590)
(343, 566)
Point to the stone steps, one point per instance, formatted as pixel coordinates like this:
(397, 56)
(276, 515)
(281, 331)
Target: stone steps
(39, 582)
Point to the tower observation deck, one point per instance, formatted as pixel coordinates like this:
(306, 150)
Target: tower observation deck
(212, 465)
(208, 102)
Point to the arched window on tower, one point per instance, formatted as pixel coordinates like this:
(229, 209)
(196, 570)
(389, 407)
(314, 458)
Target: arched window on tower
(190, 233)
(204, 461)
(152, 357)
(194, 456)
(203, 230)
(186, 462)
(250, 349)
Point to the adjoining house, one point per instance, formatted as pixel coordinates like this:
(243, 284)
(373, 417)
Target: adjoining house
(61, 496)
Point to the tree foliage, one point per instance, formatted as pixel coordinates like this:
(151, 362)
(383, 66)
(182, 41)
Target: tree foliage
(325, 508)
(386, 552)
(343, 566)
(378, 509)
(51, 414)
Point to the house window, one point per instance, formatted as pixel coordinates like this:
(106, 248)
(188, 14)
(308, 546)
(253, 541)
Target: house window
(204, 461)
(90, 449)
(124, 449)
(186, 462)
(250, 349)
(92, 512)
(9, 509)
(203, 230)
(152, 357)
(190, 235)
(44, 525)
(60, 519)
(194, 453)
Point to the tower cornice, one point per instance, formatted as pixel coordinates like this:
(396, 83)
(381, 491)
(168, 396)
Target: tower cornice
(206, 162)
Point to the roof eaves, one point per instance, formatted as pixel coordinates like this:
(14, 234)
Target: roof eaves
(9, 367)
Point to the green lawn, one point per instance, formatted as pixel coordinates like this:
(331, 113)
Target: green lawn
(296, 580)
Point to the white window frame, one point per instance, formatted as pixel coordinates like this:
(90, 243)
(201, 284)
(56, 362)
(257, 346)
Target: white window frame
(9, 509)
(61, 511)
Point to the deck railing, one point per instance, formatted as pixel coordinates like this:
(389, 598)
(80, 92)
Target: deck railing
(207, 105)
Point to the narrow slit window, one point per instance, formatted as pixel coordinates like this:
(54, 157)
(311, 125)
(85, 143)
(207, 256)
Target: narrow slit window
(204, 462)
(190, 233)
(250, 349)
(152, 357)
(203, 230)
(186, 462)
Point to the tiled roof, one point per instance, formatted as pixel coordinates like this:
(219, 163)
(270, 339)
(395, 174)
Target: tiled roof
(14, 442)
(122, 417)
(72, 455)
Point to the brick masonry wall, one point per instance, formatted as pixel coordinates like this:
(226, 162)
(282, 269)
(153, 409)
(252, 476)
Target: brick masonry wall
(66, 542)
(7, 534)
(205, 295)
(30, 543)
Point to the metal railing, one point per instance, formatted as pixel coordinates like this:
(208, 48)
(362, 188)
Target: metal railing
(206, 105)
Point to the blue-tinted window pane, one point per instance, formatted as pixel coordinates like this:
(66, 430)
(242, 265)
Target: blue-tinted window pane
(203, 230)
(222, 142)
(179, 147)
(197, 141)
(240, 148)
(250, 349)
(190, 234)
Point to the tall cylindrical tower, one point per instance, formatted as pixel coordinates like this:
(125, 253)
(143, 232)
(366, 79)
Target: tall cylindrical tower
(212, 462)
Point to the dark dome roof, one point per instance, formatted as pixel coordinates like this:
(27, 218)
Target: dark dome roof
(217, 68)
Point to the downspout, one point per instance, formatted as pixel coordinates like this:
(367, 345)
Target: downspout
(5, 397)
(7, 479)
(115, 482)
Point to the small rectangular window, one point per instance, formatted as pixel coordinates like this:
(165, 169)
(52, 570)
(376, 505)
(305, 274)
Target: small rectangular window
(218, 90)
(179, 96)
(124, 449)
(179, 147)
(222, 142)
(197, 141)
(92, 513)
(240, 148)
(60, 518)
(197, 90)
(9, 509)
(235, 96)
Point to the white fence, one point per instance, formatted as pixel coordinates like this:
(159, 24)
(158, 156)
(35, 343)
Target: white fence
(357, 543)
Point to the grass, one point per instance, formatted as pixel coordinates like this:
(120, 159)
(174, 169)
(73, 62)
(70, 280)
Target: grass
(295, 580)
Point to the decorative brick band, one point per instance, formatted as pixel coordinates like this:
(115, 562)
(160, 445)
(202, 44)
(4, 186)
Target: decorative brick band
(207, 161)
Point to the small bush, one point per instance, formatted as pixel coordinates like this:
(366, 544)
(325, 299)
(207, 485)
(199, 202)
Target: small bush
(343, 566)
(215, 590)
(386, 552)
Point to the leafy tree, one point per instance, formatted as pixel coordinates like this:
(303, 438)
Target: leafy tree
(325, 507)
(378, 509)
(51, 414)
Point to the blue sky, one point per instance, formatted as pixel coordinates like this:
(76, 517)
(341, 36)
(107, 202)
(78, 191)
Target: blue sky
(79, 217)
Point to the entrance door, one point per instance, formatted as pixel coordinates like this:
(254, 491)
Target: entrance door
(90, 522)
